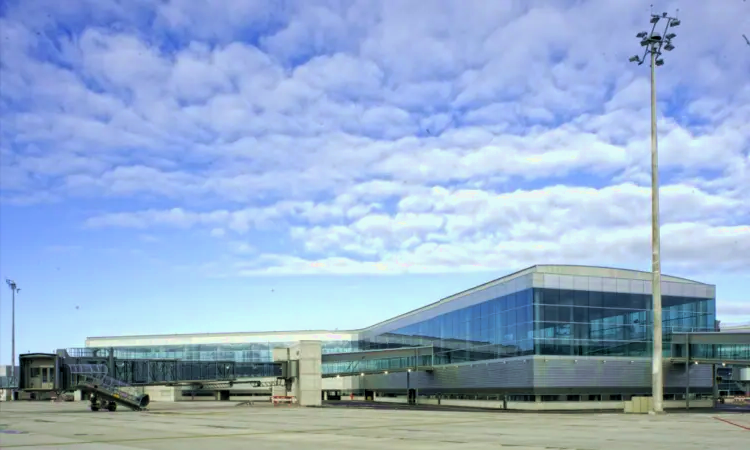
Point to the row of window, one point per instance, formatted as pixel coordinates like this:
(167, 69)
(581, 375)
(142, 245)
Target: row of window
(546, 346)
(521, 321)
(551, 322)
(555, 305)
(629, 326)
(595, 299)
(720, 351)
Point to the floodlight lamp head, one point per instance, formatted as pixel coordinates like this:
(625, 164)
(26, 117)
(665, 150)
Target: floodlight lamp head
(671, 36)
(634, 59)
(674, 22)
(641, 35)
(669, 47)
(654, 19)
(11, 284)
(644, 42)
(659, 62)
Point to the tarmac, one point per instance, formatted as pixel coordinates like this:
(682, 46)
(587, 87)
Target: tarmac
(224, 425)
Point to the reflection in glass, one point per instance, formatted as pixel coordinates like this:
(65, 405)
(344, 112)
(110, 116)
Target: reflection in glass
(531, 321)
(592, 323)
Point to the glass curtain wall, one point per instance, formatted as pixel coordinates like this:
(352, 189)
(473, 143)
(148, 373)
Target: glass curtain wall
(244, 352)
(252, 359)
(531, 321)
(727, 352)
(498, 328)
(590, 323)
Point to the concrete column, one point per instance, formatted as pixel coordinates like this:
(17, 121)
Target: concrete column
(309, 381)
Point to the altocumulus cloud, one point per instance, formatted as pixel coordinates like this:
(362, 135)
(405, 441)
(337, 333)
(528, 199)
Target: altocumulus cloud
(383, 137)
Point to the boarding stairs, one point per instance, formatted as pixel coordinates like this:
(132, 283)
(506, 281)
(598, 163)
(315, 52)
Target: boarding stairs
(107, 391)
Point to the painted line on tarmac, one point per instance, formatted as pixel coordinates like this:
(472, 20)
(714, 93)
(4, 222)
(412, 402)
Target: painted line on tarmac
(234, 435)
(732, 423)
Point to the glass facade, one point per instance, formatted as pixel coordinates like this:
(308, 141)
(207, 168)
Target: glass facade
(252, 359)
(725, 352)
(541, 321)
(570, 322)
(538, 321)
(498, 328)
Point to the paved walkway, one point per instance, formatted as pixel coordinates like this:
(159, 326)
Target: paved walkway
(218, 425)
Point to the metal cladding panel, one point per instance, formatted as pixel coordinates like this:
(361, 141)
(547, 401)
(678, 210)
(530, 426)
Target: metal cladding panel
(587, 373)
(499, 375)
(613, 373)
(700, 376)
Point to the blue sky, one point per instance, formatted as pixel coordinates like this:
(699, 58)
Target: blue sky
(206, 166)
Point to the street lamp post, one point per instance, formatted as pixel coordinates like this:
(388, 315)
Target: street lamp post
(653, 44)
(14, 288)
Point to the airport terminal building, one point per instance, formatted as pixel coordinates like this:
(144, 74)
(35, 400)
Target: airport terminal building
(548, 332)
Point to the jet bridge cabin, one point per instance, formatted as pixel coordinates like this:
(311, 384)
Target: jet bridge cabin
(39, 372)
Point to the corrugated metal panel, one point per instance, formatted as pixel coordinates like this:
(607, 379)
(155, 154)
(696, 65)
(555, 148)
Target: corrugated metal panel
(700, 376)
(614, 373)
(539, 376)
(498, 375)
(558, 373)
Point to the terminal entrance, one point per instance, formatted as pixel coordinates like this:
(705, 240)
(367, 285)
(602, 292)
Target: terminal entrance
(331, 395)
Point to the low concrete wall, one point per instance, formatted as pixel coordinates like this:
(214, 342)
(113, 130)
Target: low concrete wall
(703, 403)
(537, 406)
(529, 406)
(498, 404)
(391, 399)
(164, 393)
(244, 398)
(642, 405)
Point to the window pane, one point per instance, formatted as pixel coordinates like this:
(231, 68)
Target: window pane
(640, 301)
(581, 314)
(511, 300)
(609, 300)
(538, 294)
(521, 315)
(549, 313)
(551, 296)
(567, 297)
(524, 298)
(595, 299)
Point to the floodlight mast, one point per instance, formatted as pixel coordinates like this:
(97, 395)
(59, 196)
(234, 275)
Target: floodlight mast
(654, 43)
(14, 288)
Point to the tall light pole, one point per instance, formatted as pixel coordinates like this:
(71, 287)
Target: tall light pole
(14, 288)
(653, 44)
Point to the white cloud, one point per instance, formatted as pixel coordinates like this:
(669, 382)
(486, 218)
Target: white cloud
(384, 137)
(480, 229)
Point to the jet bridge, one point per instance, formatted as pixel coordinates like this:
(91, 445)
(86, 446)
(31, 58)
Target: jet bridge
(722, 350)
(110, 381)
(403, 359)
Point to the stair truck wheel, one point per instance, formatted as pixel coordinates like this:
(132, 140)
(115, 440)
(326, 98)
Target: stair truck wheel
(111, 406)
(94, 403)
